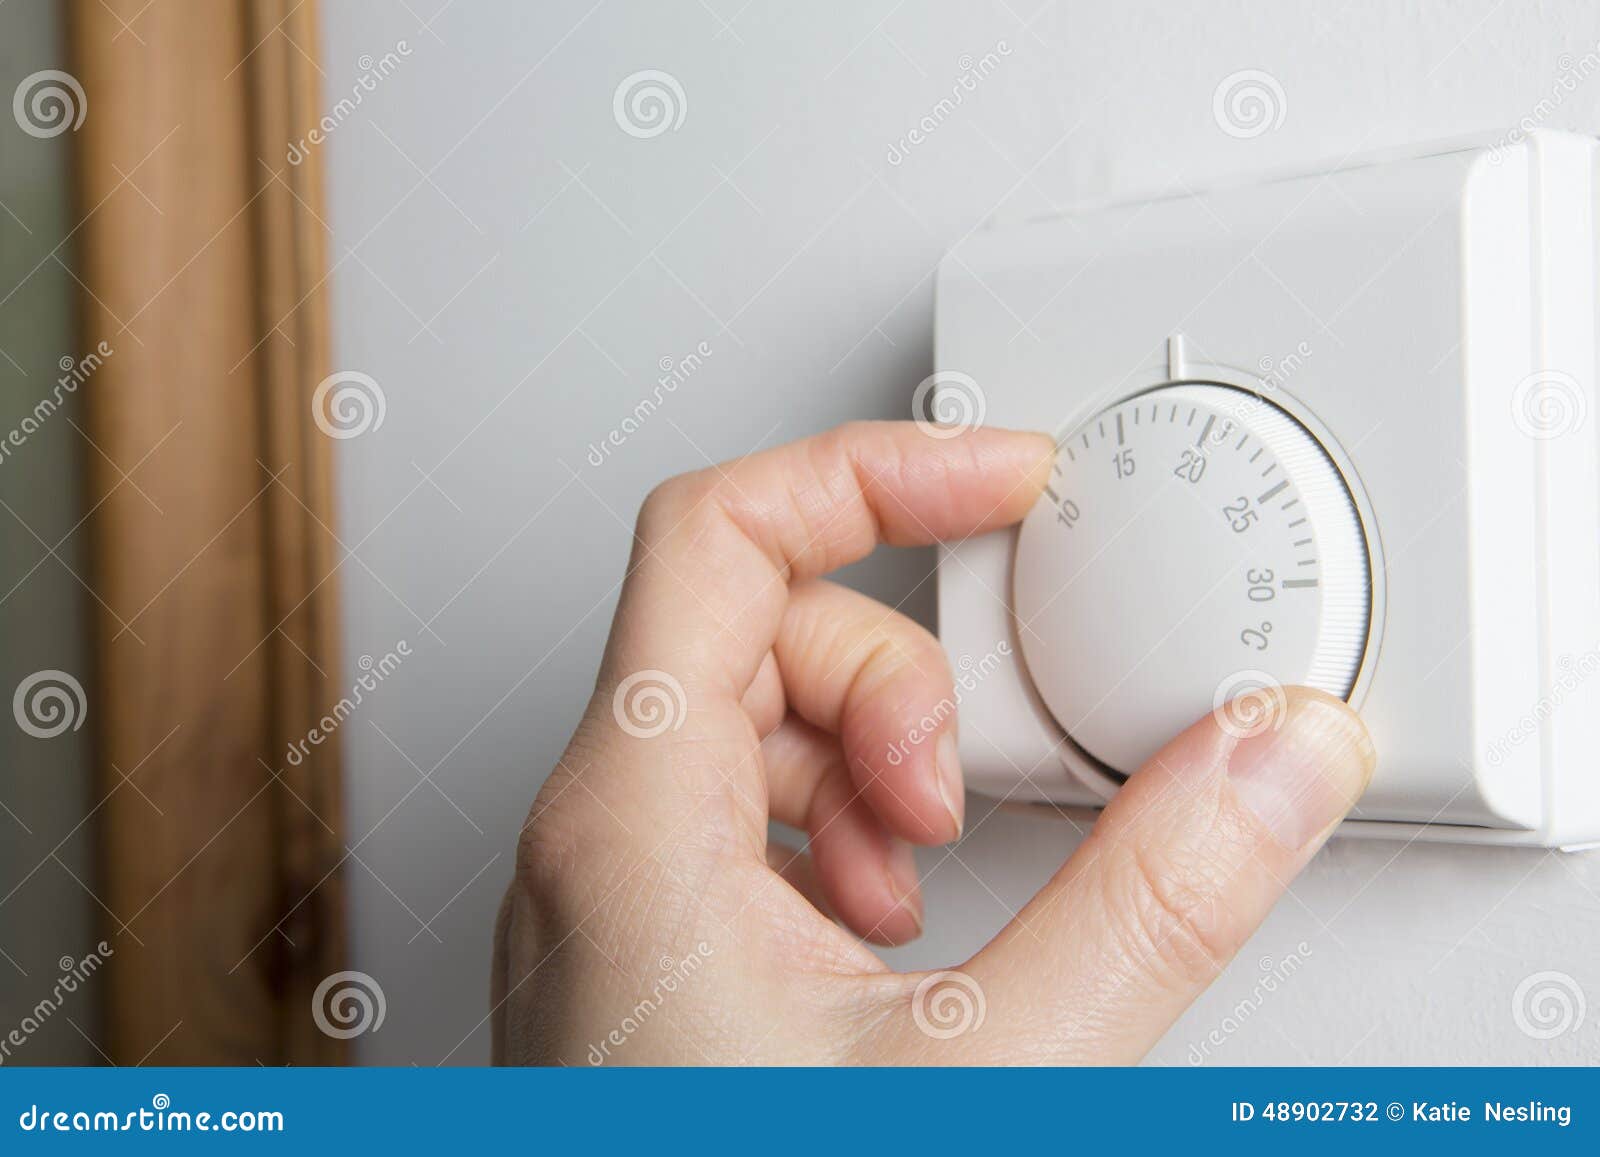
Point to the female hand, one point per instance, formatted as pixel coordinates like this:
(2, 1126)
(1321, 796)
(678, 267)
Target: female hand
(650, 920)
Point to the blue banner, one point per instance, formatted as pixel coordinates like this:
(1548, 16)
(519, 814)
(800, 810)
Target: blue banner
(807, 1112)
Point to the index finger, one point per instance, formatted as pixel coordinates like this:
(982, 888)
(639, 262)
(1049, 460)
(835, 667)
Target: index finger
(717, 548)
(715, 551)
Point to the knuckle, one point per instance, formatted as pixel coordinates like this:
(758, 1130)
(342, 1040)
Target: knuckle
(547, 855)
(904, 669)
(880, 666)
(923, 652)
(558, 846)
(1173, 922)
(837, 480)
(670, 502)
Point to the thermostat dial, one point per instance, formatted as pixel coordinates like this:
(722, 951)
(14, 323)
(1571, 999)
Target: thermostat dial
(1196, 543)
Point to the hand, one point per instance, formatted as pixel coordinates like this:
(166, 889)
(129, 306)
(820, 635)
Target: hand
(651, 921)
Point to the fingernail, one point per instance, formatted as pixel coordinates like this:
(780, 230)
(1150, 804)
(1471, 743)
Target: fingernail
(903, 880)
(948, 761)
(1305, 769)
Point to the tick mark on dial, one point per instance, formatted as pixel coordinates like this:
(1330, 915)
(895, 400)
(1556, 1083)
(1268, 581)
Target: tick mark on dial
(1291, 502)
(1297, 522)
(1269, 469)
(1256, 455)
(1289, 584)
(1206, 429)
(1119, 426)
(1273, 492)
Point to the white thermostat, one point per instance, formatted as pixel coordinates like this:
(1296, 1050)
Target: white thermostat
(1336, 430)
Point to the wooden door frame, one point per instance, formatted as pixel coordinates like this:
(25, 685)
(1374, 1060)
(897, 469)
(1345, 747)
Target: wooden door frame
(201, 258)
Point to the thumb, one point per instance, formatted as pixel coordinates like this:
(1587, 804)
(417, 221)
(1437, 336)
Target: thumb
(1178, 873)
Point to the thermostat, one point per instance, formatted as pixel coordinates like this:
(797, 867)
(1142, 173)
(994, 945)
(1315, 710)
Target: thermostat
(1333, 429)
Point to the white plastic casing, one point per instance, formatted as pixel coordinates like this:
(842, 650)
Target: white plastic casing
(1433, 319)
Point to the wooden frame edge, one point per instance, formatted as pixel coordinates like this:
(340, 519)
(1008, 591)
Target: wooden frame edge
(202, 265)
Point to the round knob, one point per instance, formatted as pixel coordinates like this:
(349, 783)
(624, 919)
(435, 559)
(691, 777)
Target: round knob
(1196, 543)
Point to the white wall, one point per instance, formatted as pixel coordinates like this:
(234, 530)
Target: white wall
(514, 305)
